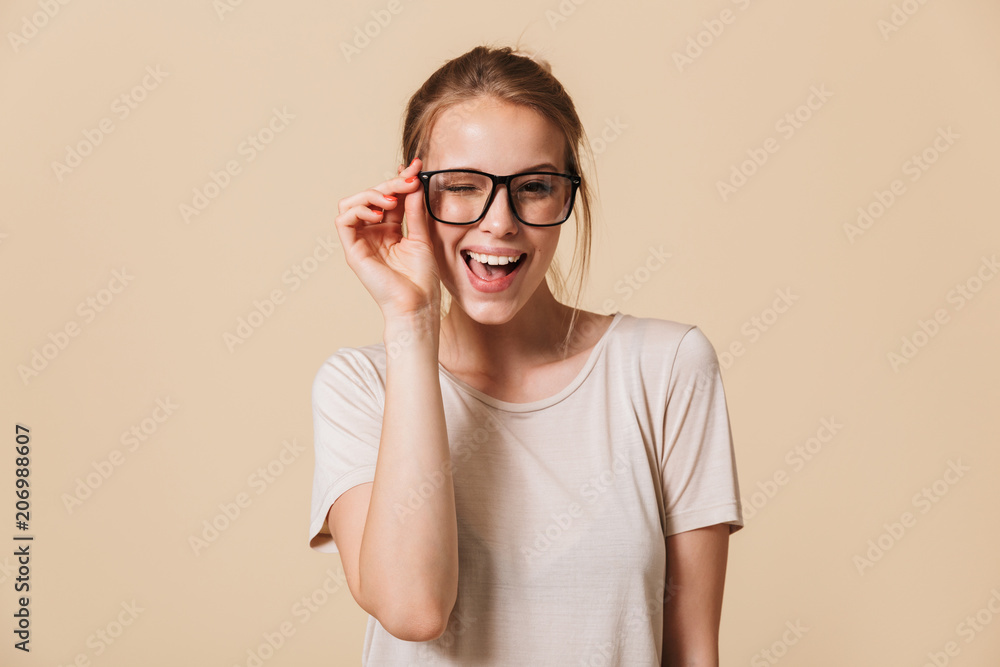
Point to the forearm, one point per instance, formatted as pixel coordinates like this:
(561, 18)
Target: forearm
(705, 658)
(409, 551)
(692, 613)
(687, 644)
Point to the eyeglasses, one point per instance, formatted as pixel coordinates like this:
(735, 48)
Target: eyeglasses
(462, 196)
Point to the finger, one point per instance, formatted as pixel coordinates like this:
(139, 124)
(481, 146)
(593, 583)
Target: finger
(368, 214)
(352, 221)
(412, 168)
(408, 182)
(348, 234)
(400, 183)
(409, 173)
(349, 225)
(416, 214)
(370, 197)
(384, 194)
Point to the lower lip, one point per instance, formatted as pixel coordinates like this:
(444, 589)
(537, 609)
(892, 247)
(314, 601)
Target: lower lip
(498, 285)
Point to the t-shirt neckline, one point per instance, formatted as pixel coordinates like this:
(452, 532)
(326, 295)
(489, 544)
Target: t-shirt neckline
(543, 402)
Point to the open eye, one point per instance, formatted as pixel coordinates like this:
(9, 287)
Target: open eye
(534, 189)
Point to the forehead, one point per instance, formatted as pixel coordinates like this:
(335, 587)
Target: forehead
(493, 136)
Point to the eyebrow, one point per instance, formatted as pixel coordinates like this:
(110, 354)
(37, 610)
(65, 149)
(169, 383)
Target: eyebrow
(544, 166)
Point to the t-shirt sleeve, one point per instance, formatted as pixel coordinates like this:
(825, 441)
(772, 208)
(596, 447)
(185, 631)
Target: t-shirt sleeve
(347, 407)
(698, 465)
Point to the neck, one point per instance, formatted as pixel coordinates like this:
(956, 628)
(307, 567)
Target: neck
(535, 335)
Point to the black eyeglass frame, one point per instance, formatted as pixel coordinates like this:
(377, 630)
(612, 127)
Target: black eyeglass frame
(425, 177)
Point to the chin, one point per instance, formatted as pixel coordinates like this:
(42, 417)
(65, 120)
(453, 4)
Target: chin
(495, 308)
(488, 313)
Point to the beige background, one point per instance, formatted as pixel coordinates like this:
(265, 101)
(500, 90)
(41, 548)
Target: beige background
(665, 134)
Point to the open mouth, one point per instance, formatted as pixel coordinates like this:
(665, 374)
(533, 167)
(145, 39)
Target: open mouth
(487, 271)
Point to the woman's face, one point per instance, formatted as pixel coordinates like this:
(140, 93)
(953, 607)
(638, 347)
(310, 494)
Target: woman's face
(498, 138)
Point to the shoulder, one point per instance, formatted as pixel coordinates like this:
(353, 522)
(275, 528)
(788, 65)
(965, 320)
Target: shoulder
(680, 346)
(659, 334)
(359, 368)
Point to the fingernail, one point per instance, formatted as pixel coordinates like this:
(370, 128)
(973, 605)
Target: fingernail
(390, 197)
(412, 162)
(411, 179)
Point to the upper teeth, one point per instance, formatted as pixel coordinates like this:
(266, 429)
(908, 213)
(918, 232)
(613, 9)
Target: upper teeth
(492, 259)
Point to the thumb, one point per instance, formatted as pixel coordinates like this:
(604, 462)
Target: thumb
(416, 216)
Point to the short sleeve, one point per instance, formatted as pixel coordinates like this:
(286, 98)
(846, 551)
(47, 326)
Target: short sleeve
(698, 466)
(347, 406)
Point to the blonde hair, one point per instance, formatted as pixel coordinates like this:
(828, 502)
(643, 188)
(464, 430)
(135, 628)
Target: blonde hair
(487, 74)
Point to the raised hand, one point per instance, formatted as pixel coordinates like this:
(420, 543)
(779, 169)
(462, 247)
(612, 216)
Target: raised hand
(400, 272)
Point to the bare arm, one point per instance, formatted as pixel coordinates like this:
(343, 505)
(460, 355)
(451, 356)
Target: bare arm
(401, 563)
(692, 611)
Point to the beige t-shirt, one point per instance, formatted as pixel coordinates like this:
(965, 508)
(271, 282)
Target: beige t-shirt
(563, 503)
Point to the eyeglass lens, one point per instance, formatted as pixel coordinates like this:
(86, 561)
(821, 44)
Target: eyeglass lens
(461, 197)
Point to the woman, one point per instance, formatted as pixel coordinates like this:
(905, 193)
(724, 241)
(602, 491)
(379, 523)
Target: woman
(520, 482)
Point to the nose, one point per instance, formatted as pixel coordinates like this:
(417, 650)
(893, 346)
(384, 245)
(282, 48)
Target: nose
(499, 219)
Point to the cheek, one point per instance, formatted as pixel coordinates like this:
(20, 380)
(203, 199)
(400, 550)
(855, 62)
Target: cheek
(444, 248)
(547, 247)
